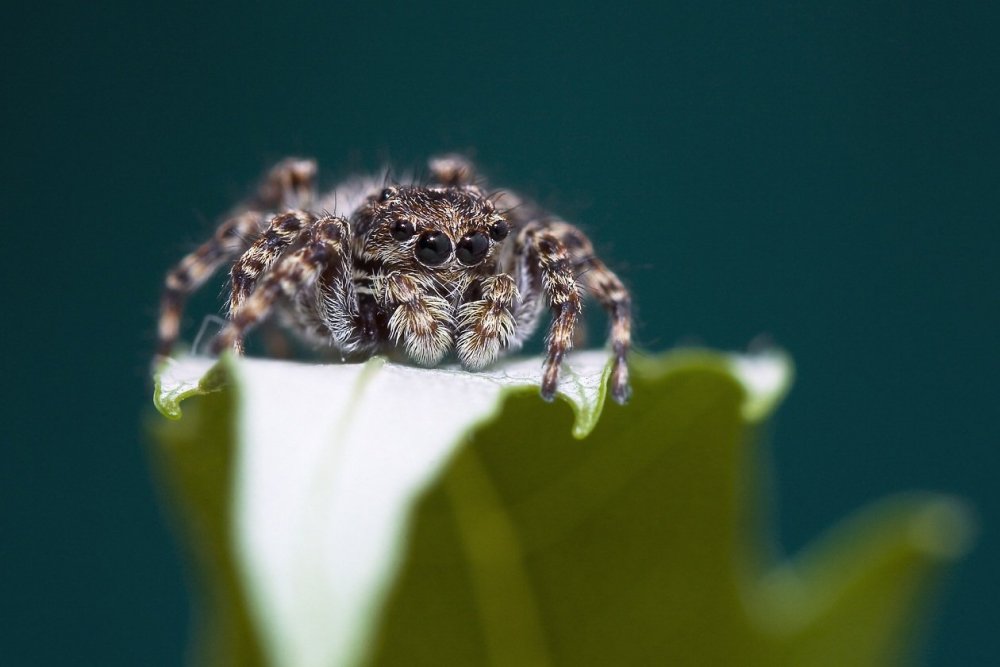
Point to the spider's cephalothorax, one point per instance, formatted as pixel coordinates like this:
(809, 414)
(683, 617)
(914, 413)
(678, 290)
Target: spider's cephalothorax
(422, 268)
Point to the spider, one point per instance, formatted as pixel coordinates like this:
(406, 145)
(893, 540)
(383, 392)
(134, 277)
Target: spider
(421, 268)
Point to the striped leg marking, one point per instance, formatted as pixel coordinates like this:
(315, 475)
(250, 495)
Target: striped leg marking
(563, 294)
(283, 230)
(609, 291)
(291, 275)
(229, 240)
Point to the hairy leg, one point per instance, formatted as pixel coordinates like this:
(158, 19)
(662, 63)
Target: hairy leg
(289, 184)
(191, 273)
(452, 170)
(294, 276)
(487, 326)
(609, 291)
(335, 312)
(547, 253)
(285, 185)
(283, 230)
(420, 319)
(531, 297)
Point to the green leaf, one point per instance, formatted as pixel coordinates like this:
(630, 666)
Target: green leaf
(382, 514)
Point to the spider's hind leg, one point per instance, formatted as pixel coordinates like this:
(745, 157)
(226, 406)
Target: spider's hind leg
(194, 269)
(288, 184)
(452, 170)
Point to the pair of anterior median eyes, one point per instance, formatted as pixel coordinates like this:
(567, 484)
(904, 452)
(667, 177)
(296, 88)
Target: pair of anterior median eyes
(434, 248)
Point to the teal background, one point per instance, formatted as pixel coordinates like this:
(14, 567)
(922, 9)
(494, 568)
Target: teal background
(821, 173)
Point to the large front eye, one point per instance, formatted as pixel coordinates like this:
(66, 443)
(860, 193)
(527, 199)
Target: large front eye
(472, 248)
(401, 230)
(433, 248)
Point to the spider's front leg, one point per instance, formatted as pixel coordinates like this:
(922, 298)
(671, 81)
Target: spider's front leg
(487, 326)
(421, 320)
(549, 260)
(294, 276)
(283, 230)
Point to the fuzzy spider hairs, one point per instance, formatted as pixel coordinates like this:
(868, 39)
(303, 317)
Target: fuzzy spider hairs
(419, 269)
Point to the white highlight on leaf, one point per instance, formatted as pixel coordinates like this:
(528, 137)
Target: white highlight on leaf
(332, 460)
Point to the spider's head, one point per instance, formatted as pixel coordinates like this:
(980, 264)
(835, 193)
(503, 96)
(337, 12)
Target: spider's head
(441, 228)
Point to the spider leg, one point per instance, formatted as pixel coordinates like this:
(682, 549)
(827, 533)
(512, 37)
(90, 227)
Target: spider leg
(530, 302)
(612, 295)
(335, 311)
(452, 170)
(283, 230)
(609, 291)
(295, 275)
(487, 326)
(191, 273)
(287, 184)
(420, 319)
(558, 282)
(589, 272)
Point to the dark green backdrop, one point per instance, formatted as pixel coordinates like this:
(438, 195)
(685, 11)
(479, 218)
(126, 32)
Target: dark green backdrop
(824, 173)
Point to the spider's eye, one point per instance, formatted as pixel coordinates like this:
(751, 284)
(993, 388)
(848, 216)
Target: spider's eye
(401, 230)
(472, 248)
(499, 230)
(433, 248)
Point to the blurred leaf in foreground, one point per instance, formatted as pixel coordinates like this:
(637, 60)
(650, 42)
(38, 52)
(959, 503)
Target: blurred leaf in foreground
(377, 514)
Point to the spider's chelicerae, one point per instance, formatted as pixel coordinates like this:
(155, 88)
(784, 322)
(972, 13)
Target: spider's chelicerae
(426, 268)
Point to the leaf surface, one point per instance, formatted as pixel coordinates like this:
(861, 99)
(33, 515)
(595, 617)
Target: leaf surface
(382, 514)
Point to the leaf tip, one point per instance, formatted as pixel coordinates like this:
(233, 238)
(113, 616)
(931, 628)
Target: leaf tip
(585, 396)
(178, 379)
(766, 376)
(944, 529)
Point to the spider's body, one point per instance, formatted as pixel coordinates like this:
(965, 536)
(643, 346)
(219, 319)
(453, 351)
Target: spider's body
(426, 269)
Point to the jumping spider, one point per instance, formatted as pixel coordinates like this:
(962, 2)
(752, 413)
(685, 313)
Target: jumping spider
(422, 268)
